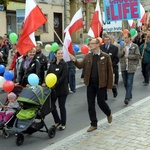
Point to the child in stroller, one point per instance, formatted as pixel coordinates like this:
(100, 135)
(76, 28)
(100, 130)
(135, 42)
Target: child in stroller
(8, 110)
(7, 119)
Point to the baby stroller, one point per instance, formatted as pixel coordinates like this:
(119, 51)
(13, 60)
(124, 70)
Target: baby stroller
(9, 124)
(36, 105)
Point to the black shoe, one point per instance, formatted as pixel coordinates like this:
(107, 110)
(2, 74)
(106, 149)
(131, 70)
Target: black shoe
(126, 101)
(114, 90)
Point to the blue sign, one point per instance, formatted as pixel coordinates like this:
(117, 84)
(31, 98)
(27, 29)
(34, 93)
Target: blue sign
(121, 10)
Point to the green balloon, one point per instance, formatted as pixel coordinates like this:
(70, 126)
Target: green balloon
(87, 40)
(54, 47)
(132, 32)
(13, 37)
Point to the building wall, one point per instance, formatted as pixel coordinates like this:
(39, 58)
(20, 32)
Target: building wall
(3, 23)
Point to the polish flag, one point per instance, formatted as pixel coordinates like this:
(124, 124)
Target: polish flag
(96, 24)
(67, 46)
(34, 18)
(143, 15)
(76, 23)
(131, 23)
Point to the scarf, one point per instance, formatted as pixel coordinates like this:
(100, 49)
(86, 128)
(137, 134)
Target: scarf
(27, 62)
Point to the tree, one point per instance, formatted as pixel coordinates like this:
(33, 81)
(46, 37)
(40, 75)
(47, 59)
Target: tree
(4, 2)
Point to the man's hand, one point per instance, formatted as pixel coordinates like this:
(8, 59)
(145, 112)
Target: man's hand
(72, 58)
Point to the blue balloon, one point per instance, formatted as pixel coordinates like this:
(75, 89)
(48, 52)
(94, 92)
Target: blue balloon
(8, 75)
(76, 48)
(121, 43)
(2, 68)
(33, 79)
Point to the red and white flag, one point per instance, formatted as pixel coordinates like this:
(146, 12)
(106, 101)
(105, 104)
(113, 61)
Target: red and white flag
(96, 24)
(143, 15)
(76, 22)
(67, 46)
(131, 23)
(34, 18)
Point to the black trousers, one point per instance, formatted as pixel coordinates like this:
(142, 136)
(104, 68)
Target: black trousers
(92, 91)
(116, 74)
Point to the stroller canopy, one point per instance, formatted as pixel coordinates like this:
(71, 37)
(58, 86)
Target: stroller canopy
(34, 95)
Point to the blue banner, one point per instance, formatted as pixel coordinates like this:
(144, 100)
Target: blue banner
(121, 10)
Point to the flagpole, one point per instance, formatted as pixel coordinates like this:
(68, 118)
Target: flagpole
(57, 36)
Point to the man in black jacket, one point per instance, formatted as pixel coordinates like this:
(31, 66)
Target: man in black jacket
(42, 59)
(112, 50)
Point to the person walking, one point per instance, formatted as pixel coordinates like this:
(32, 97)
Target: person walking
(60, 91)
(42, 59)
(145, 54)
(98, 77)
(112, 51)
(129, 59)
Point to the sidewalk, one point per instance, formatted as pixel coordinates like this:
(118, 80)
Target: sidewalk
(130, 130)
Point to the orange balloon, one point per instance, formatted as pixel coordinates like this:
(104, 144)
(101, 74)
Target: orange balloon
(8, 86)
(100, 40)
(125, 31)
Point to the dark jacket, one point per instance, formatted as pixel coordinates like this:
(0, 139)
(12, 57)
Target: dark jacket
(43, 64)
(34, 67)
(105, 70)
(146, 52)
(61, 71)
(4, 50)
(112, 51)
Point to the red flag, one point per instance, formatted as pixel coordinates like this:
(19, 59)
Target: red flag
(67, 48)
(34, 18)
(76, 22)
(96, 24)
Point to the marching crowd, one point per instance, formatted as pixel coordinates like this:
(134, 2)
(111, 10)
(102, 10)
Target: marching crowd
(100, 70)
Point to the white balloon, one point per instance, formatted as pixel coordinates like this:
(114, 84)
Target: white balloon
(2, 80)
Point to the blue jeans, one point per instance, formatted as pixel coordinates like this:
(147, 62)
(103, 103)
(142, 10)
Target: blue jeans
(128, 83)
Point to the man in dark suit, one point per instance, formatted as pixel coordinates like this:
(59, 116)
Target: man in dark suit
(112, 50)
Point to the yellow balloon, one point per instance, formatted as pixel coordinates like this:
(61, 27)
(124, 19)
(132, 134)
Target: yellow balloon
(50, 80)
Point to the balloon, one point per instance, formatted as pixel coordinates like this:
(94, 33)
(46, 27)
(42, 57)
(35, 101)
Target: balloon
(48, 47)
(50, 80)
(2, 80)
(76, 48)
(33, 79)
(55, 47)
(8, 75)
(87, 41)
(125, 31)
(84, 49)
(8, 86)
(132, 32)
(121, 43)
(100, 40)
(2, 68)
(13, 37)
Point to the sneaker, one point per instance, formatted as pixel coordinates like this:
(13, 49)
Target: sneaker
(91, 128)
(146, 84)
(109, 118)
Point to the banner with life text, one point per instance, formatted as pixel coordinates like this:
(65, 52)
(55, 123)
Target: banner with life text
(121, 10)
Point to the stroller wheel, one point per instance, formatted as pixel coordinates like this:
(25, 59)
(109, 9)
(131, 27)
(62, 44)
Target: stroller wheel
(5, 134)
(51, 132)
(20, 139)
